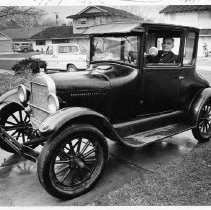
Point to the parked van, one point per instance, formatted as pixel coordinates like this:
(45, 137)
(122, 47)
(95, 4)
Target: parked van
(22, 47)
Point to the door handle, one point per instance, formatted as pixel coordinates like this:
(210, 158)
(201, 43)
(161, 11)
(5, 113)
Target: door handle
(181, 77)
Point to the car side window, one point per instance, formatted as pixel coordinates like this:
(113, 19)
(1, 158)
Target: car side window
(189, 48)
(162, 48)
(68, 49)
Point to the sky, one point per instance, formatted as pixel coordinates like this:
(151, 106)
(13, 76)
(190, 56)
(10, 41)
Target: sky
(148, 8)
(146, 11)
(94, 2)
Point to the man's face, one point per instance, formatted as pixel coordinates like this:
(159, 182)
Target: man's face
(167, 44)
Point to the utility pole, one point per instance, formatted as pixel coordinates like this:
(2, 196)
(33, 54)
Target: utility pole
(57, 17)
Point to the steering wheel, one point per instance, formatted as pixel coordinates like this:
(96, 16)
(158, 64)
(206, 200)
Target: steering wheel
(132, 57)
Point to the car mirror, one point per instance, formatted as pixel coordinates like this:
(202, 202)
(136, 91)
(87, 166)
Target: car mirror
(153, 51)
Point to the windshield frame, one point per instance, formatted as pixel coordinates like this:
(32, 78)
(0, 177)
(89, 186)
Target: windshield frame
(92, 48)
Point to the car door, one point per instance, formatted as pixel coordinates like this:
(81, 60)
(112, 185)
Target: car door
(161, 89)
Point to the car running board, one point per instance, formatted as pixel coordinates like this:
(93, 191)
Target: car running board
(147, 137)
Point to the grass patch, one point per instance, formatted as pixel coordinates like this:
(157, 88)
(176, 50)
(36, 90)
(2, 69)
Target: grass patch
(9, 82)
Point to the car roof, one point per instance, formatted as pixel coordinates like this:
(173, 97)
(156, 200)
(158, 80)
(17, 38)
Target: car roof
(127, 27)
(64, 44)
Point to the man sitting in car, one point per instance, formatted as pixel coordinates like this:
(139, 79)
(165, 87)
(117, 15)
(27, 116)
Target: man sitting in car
(165, 55)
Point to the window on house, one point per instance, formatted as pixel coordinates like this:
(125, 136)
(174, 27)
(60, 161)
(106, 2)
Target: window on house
(40, 42)
(100, 20)
(83, 21)
(56, 41)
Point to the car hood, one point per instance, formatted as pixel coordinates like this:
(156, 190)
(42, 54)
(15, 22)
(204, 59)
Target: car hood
(83, 81)
(39, 56)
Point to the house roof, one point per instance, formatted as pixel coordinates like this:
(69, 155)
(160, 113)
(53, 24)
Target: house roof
(4, 37)
(58, 32)
(2, 26)
(21, 34)
(127, 27)
(104, 11)
(185, 8)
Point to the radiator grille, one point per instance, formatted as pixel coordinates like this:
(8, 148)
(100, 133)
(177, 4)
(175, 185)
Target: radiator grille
(41, 86)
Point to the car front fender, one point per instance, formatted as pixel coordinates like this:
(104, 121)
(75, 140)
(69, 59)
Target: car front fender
(198, 101)
(10, 96)
(53, 123)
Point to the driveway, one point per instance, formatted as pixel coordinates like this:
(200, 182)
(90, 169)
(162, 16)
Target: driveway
(8, 60)
(175, 171)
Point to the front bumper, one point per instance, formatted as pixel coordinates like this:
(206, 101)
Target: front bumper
(18, 148)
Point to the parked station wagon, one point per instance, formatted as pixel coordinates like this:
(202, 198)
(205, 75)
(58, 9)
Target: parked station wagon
(127, 95)
(65, 57)
(22, 47)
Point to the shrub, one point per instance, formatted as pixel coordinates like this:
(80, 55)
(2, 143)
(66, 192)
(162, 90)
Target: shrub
(29, 66)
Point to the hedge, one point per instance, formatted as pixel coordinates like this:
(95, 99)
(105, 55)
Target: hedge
(29, 66)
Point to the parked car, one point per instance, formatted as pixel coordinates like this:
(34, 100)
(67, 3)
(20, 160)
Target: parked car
(65, 56)
(122, 96)
(22, 47)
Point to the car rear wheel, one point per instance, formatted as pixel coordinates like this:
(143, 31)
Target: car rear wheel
(71, 68)
(72, 162)
(202, 131)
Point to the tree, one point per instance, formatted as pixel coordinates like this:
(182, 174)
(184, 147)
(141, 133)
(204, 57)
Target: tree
(23, 16)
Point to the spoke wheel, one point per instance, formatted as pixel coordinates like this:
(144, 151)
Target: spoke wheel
(75, 162)
(202, 132)
(16, 122)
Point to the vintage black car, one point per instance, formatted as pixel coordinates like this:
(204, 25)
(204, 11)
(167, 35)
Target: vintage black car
(125, 96)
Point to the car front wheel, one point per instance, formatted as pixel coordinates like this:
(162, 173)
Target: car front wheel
(72, 162)
(202, 131)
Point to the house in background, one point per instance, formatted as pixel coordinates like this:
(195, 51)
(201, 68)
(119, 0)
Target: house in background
(18, 35)
(58, 34)
(191, 15)
(5, 43)
(91, 15)
(96, 15)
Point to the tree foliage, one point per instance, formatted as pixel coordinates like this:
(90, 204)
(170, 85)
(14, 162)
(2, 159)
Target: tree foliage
(23, 16)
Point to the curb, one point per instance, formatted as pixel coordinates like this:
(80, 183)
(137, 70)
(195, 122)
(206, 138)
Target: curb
(3, 71)
(15, 59)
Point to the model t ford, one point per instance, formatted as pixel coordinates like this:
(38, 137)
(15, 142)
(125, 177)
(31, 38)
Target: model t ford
(141, 86)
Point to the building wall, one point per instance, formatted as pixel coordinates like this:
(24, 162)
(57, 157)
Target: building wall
(201, 20)
(40, 47)
(79, 28)
(5, 44)
(202, 41)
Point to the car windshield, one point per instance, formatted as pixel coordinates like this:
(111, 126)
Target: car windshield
(122, 49)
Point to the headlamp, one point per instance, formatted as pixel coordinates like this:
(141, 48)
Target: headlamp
(53, 103)
(22, 93)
